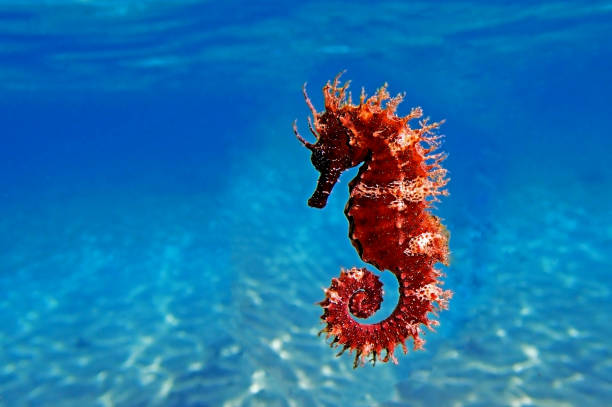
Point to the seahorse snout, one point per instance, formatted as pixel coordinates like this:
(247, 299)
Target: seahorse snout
(324, 187)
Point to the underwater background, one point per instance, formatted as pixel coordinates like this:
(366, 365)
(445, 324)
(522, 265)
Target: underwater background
(156, 248)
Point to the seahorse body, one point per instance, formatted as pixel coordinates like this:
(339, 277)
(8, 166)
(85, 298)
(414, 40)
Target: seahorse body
(388, 210)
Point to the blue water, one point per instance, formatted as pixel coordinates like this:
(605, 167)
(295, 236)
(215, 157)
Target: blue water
(156, 248)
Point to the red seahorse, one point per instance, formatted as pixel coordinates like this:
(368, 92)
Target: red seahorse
(390, 223)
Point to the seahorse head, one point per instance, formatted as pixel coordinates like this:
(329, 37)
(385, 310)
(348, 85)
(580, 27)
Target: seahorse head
(332, 153)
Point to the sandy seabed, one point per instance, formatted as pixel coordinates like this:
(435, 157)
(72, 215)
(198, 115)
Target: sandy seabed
(185, 300)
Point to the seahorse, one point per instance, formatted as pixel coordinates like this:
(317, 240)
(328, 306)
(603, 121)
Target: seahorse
(389, 213)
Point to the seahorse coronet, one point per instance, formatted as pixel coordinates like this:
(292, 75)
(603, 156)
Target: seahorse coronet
(390, 221)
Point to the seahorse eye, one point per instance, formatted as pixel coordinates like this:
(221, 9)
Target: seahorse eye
(319, 159)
